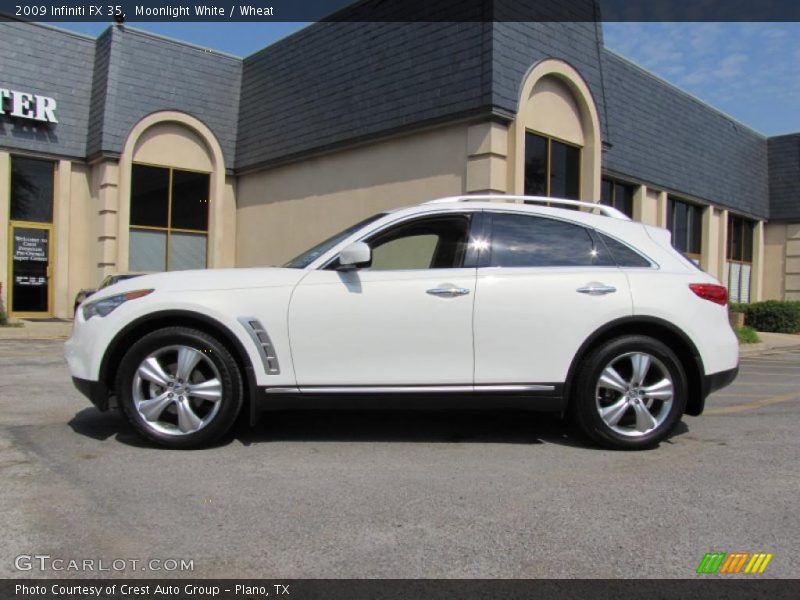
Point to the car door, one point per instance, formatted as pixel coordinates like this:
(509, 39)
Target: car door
(406, 320)
(544, 285)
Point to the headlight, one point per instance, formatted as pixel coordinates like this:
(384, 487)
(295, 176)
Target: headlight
(103, 307)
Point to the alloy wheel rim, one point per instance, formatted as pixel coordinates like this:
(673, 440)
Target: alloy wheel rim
(634, 394)
(177, 390)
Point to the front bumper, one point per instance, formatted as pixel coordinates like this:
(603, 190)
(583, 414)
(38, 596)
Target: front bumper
(96, 391)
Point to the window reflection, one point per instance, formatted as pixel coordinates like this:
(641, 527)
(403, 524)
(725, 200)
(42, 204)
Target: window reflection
(528, 241)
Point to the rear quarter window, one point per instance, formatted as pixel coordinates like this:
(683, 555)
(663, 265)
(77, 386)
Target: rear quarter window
(622, 254)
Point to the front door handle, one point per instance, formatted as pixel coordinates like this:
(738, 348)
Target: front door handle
(596, 289)
(448, 292)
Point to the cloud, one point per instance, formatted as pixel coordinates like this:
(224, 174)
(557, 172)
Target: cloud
(730, 66)
(704, 36)
(751, 70)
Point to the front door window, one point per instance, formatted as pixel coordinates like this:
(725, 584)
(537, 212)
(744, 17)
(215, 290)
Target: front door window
(428, 243)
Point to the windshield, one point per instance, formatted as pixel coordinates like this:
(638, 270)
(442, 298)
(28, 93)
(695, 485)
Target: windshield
(309, 256)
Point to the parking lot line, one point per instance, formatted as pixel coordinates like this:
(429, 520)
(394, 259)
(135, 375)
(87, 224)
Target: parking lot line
(755, 404)
(756, 360)
(749, 384)
(720, 395)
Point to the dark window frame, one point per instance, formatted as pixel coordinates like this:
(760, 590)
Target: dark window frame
(613, 200)
(745, 228)
(169, 229)
(548, 168)
(50, 212)
(739, 253)
(691, 231)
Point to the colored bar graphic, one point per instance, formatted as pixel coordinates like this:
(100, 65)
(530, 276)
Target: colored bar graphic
(734, 562)
(758, 563)
(711, 562)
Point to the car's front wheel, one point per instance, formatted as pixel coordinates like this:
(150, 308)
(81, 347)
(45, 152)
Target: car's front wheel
(630, 393)
(180, 387)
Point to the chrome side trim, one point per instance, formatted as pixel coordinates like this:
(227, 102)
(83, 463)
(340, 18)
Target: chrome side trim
(410, 389)
(282, 390)
(262, 341)
(515, 388)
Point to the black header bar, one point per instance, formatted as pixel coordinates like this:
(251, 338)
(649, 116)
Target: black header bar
(705, 586)
(132, 11)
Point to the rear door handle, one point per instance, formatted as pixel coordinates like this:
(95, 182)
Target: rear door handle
(448, 292)
(596, 289)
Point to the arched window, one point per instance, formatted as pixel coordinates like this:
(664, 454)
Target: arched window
(556, 134)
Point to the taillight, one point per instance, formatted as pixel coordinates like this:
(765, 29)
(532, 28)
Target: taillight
(711, 292)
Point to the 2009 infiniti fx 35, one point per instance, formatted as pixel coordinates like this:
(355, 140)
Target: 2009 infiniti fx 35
(483, 300)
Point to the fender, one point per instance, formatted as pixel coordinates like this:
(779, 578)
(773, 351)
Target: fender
(153, 321)
(698, 390)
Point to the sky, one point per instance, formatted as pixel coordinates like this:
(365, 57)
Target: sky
(751, 71)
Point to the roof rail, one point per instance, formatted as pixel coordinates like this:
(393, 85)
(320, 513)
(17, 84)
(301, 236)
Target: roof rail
(608, 211)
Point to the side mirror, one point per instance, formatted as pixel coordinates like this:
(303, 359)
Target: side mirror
(355, 256)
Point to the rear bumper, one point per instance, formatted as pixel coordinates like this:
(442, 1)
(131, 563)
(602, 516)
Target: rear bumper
(717, 381)
(95, 391)
(712, 383)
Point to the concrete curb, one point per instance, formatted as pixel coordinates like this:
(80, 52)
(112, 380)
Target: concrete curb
(762, 348)
(37, 330)
(771, 342)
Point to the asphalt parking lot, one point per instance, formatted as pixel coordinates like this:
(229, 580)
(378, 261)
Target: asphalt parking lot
(398, 494)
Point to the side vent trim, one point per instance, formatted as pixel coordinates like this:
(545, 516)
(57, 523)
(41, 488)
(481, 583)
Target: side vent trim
(263, 342)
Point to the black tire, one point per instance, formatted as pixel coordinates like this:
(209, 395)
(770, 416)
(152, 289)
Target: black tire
(216, 353)
(584, 403)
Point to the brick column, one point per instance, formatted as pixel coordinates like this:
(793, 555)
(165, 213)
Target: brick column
(62, 304)
(5, 200)
(792, 273)
(722, 247)
(709, 258)
(105, 187)
(757, 269)
(640, 205)
(487, 159)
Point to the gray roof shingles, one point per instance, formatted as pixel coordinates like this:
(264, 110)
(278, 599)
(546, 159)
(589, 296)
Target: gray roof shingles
(331, 84)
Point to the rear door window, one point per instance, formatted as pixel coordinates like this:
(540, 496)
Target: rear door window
(520, 240)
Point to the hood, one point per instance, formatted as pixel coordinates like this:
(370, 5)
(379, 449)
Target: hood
(208, 279)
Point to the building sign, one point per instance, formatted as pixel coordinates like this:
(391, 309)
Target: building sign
(24, 105)
(30, 245)
(27, 281)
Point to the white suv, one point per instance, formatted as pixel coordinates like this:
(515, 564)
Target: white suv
(493, 301)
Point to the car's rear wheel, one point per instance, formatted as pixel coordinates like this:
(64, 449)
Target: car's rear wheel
(630, 393)
(180, 387)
